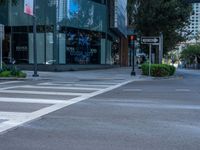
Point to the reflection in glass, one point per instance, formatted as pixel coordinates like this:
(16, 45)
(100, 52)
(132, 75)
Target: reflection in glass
(83, 47)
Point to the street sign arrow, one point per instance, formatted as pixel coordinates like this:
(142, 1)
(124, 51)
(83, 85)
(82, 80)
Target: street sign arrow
(150, 40)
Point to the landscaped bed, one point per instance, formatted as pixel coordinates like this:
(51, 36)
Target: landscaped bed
(12, 71)
(158, 70)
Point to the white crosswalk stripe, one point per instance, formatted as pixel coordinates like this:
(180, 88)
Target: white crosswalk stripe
(43, 94)
(78, 85)
(28, 100)
(66, 88)
(9, 82)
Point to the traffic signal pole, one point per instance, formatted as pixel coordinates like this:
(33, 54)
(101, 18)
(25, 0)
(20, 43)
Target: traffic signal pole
(133, 38)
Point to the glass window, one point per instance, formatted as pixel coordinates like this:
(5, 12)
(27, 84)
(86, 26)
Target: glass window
(83, 47)
(82, 14)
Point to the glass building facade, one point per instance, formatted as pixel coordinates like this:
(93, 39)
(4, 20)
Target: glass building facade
(68, 32)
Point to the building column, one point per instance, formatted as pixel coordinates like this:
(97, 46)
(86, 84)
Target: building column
(124, 52)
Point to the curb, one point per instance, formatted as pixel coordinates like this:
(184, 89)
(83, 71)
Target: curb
(12, 78)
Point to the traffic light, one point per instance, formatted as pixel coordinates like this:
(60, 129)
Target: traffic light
(133, 37)
(132, 41)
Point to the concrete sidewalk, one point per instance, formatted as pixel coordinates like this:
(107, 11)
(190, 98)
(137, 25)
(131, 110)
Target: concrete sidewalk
(114, 73)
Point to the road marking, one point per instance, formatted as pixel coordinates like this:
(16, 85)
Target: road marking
(183, 90)
(10, 87)
(28, 100)
(21, 118)
(77, 85)
(132, 90)
(61, 88)
(10, 82)
(89, 82)
(13, 115)
(43, 93)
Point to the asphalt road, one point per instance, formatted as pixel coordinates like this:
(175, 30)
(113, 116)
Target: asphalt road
(141, 115)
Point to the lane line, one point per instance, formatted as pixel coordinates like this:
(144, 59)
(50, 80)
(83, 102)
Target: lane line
(9, 125)
(183, 90)
(132, 90)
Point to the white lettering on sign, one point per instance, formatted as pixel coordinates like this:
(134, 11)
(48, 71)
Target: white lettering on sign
(21, 48)
(150, 40)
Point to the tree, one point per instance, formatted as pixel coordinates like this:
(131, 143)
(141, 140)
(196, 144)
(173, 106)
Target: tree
(151, 17)
(191, 54)
(2, 2)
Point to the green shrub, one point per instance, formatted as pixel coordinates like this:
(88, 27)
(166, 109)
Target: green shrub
(12, 71)
(4, 67)
(158, 70)
(5, 74)
(21, 75)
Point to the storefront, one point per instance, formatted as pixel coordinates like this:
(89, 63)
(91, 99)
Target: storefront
(68, 32)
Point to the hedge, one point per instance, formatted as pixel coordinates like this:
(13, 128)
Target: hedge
(11, 72)
(158, 70)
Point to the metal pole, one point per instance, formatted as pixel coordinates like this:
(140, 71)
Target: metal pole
(107, 26)
(133, 68)
(130, 56)
(34, 40)
(161, 48)
(1, 61)
(150, 59)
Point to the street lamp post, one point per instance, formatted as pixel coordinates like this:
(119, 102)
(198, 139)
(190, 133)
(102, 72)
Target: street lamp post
(34, 39)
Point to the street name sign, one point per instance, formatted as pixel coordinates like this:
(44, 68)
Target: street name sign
(150, 40)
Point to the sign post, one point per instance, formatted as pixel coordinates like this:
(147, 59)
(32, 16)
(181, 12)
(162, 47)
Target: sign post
(1, 45)
(161, 48)
(150, 59)
(150, 41)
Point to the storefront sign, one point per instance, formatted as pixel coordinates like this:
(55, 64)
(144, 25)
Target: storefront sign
(28, 7)
(21, 48)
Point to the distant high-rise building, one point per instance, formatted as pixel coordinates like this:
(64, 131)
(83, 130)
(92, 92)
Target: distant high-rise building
(194, 27)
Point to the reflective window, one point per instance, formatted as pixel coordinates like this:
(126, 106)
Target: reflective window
(83, 47)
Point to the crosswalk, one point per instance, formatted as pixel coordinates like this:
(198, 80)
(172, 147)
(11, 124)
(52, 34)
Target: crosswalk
(22, 102)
